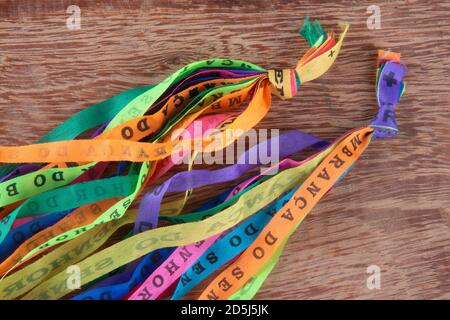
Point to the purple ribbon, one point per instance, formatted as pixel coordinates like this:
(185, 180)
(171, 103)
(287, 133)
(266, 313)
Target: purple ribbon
(290, 142)
(389, 90)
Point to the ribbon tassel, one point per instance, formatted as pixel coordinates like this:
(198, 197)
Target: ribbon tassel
(62, 209)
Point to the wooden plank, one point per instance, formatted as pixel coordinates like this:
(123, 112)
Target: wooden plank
(393, 208)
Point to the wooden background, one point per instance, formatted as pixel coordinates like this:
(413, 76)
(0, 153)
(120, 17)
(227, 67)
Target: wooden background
(392, 210)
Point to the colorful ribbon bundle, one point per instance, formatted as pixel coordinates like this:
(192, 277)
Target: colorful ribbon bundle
(65, 196)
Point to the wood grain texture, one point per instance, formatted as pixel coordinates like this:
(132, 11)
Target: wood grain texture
(392, 210)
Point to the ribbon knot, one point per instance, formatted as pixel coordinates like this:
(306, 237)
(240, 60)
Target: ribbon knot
(284, 82)
(390, 88)
(324, 49)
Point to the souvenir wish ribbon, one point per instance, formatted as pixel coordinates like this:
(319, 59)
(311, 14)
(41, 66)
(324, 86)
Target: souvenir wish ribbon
(114, 143)
(292, 142)
(393, 69)
(218, 253)
(182, 234)
(390, 87)
(265, 250)
(216, 85)
(203, 267)
(308, 194)
(226, 247)
(186, 255)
